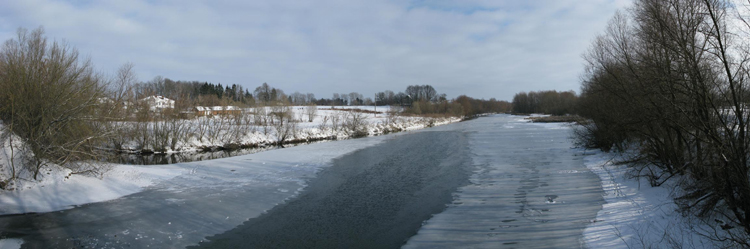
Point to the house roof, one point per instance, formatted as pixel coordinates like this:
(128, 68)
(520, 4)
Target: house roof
(217, 108)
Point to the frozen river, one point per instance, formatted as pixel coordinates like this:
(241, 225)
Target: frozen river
(493, 182)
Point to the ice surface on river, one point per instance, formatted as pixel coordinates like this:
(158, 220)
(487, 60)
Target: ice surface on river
(530, 190)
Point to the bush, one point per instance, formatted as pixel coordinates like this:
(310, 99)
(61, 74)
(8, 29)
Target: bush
(48, 97)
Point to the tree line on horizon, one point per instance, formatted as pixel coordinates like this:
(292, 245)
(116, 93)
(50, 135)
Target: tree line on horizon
(418, 99)
(204, 92)
(545, 102)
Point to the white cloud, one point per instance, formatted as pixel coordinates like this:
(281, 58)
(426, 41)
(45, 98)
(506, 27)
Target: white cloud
(480, 48)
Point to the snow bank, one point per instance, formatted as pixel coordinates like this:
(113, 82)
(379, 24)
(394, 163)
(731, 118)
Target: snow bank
(59, 189)
(636, 215)
(219, 131)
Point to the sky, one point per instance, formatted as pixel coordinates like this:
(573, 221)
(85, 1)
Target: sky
(479, 48)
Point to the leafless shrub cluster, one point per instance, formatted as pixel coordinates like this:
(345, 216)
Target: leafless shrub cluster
(283, 122)
(335, 122)
(672, 76)
(311, 111)
(48, 97)
(355, 124)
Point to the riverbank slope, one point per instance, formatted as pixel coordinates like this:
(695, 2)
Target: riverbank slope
(637, 215)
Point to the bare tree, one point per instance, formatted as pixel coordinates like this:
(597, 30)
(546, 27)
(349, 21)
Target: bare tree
(311, 110)
(674, 77)
(335, 119)
(116, 106)
(284, 125)
(49, 97)
(310, 98)
(264, 93)
(355, 123)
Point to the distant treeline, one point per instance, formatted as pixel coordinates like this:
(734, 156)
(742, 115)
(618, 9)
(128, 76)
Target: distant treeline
(461, 106)
(201, 92)
(418, 99)
(547, 102)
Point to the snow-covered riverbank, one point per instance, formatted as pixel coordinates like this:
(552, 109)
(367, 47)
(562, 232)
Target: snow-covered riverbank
(259, 127)
(179, 204)
(637, 215)
(58, 189)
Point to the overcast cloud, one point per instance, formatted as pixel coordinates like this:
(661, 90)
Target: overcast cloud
(483, 49)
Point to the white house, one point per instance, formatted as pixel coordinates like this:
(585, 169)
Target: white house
(216, 110)
(158, 103)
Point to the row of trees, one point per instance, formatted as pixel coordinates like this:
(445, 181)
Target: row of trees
(422, 93)
(209, 94)
(204, 92)
(462, 106)
(353, 98)
(548, 102)
(472, 107)
(673, 77)
(413, 93)
(426, 100)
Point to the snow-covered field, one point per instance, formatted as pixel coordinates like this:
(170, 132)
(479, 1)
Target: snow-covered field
(257, 127)
(637, 215)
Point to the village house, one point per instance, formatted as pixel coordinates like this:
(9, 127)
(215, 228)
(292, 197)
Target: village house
(216, 110)
(158, 103)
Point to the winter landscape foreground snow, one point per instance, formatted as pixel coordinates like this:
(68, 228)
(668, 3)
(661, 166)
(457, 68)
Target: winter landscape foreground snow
(635, 215)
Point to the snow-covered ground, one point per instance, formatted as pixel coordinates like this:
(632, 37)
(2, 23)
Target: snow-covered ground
(57, 189)
(328, 122)
(637, 215)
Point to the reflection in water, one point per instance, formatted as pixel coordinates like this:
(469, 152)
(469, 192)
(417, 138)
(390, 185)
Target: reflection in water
(188, 156)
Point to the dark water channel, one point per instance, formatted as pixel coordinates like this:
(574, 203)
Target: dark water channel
(379, 203)
(188, 156)
(181, 157)
(494, 182)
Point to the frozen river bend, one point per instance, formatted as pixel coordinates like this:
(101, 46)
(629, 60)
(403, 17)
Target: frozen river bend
(494, 182)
